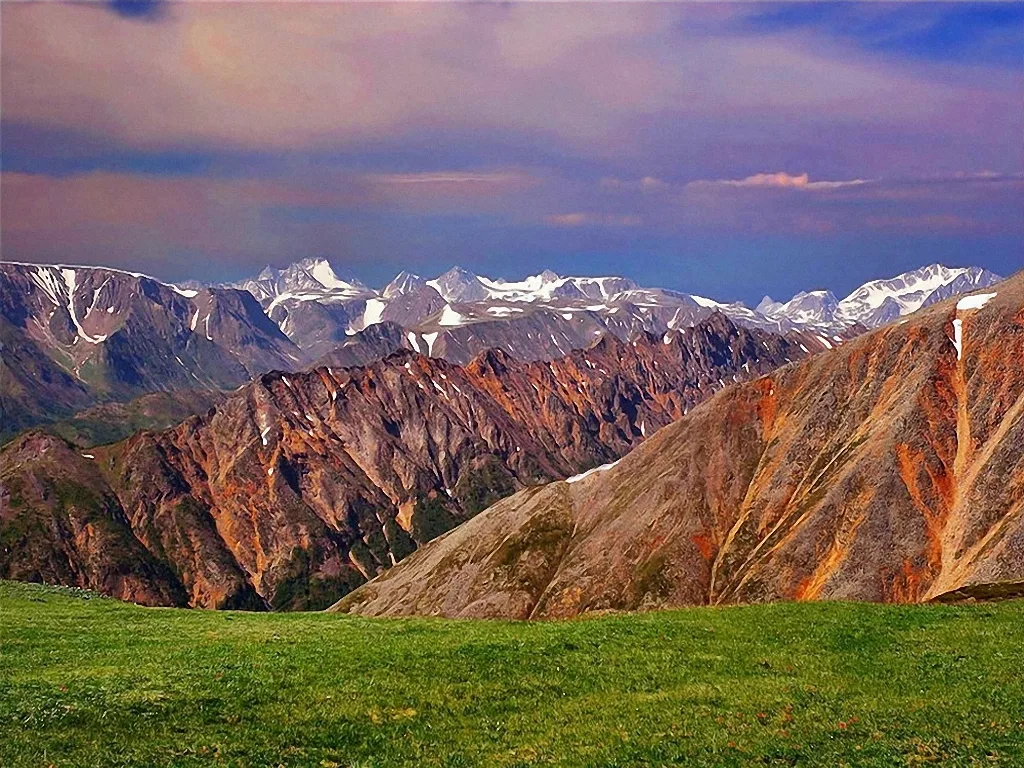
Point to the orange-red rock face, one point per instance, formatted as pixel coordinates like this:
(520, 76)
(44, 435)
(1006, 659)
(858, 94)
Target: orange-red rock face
(300, 487)
(890, 469)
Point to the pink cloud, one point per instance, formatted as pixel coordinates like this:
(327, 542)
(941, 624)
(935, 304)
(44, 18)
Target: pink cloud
(315, 75)
(580, 219)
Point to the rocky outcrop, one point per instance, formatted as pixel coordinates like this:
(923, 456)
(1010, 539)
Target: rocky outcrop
(61, 523)
(889, 469)
(299, 487)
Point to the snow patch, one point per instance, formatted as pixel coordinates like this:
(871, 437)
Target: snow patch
(589, 472)
(977, 301)
(503, 311)
(449, 317)
(958, 337)
(709, 303)
(374, 312)
(69, 281)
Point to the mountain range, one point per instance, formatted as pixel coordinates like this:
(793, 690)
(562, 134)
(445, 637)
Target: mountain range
(430, 400)
(888, 469)
(458, 314)
(74, 337)
(299, 487)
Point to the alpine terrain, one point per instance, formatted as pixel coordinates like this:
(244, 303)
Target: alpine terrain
(889, 469)
(299, 487)
(74, 337)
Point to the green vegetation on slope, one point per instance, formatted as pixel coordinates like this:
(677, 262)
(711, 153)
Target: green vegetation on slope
(93, 682)
(110, 422)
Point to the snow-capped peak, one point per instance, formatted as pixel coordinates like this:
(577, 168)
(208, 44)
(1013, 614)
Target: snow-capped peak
(806, 308)
(460, 285)
(404, 282)
(324, 274)
(768, 306)
(881, 301)
(311, 278)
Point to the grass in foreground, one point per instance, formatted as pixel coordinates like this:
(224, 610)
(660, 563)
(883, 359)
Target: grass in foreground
(86, 681)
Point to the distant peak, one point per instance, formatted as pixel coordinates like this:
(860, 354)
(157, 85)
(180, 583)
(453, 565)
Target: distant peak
(458, 271)
(404, 282)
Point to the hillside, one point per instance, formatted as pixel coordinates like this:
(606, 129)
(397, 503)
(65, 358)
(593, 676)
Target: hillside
(72, 337)
(790, 684)
(299, 487)
(889, 469)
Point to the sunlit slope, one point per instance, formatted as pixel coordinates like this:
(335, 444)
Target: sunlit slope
(889, 469)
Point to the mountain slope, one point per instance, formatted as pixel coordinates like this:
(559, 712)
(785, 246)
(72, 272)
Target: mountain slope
(74, 336)
(299, 487)
(880, 301)
(890, 469)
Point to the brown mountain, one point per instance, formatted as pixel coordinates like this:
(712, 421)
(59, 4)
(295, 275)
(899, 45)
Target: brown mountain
(889, 469)
(299, 487)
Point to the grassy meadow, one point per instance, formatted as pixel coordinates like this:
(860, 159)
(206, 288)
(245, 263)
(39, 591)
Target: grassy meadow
(87, 681)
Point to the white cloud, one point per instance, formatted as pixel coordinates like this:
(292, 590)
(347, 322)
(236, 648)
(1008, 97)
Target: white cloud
(778, 180)
(451, 177)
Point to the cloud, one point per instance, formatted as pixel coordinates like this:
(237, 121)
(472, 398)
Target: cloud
(645, 184)
(779, 180)
(580, 219)
(448, 178)
(618, 82)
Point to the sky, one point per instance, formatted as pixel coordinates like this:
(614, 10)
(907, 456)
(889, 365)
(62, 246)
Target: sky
(727, 150)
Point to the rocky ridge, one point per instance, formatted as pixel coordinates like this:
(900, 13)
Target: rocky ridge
(889, 469)
(299, 487)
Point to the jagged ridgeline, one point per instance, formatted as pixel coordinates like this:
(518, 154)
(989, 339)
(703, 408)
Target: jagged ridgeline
(889, 469)
(299, 487)
(74, 337)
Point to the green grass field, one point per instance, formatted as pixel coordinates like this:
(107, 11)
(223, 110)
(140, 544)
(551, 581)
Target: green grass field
(87, 681)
